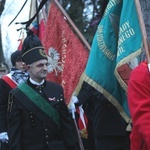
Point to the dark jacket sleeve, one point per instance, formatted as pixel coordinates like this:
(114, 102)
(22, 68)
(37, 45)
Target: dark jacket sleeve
(86, 93)
(14, 125)
(4, 91)
(104, 116)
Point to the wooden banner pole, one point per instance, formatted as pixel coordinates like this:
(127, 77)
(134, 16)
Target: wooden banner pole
(76, 30)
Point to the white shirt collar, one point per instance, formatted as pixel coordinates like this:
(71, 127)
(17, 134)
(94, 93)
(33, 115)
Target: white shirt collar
(36, 83)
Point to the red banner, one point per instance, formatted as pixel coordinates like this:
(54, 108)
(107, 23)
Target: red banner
(67, 55)
(20, 40)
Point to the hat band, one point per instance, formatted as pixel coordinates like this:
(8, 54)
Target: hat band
(32, 49)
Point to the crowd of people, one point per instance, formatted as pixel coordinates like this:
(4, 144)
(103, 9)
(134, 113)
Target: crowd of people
(9, 81)
(34, 115)
(33, 112)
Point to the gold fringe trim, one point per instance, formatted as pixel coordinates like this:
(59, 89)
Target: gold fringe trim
(122, 62)
(85, 78)
(83, 133)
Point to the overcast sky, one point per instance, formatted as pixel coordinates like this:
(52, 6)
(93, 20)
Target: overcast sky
(10, 35)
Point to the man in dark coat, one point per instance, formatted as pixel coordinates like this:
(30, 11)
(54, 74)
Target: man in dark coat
(38, 118)
(16, 76)
(107, 126)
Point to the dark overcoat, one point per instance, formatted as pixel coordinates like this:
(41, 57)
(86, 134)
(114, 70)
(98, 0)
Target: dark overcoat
(28, 131)
(4, 92)
(105, 120)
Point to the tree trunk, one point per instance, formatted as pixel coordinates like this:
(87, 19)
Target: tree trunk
(1, 48)
(2, 59)
(145, 10)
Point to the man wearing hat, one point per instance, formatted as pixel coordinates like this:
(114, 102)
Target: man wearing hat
(16, 76)
(38, 118)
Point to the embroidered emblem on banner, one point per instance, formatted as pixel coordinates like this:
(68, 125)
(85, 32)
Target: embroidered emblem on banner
(53, 59)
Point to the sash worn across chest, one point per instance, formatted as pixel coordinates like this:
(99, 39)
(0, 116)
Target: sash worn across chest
(40, 102)
(9, 81)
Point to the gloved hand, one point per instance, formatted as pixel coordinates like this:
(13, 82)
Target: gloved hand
(71, 105)
(4, 137)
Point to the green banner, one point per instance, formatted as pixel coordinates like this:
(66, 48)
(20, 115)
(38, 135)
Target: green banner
(118, 37)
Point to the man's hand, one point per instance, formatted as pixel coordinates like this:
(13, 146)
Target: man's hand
(71, 106)
(4, 137)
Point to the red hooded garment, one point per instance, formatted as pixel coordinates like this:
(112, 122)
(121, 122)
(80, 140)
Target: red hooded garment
(139, 105)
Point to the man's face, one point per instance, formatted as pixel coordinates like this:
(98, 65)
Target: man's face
(3, 72)
(38, 70)
(20, 65)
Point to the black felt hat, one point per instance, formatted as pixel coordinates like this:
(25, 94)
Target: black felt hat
(32, 49)
(15, 56)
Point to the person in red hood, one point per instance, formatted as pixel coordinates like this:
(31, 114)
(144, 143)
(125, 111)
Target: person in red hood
(139, 105)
